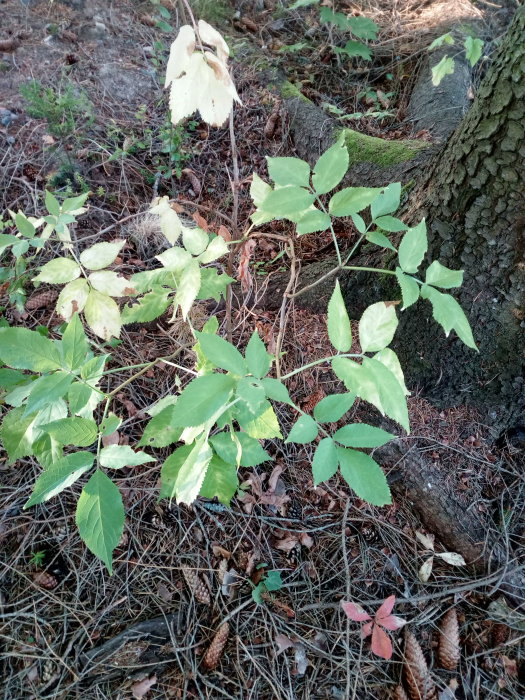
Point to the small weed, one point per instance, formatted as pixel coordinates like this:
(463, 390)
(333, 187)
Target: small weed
(64, 109)
(37, 558)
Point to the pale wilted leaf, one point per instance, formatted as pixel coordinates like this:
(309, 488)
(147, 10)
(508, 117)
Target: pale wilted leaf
(72, 298)
(452, 558)
(170, 224)
(101, 255)
(426, 570)
(110, 283)
(102, 315)
(426, 540)
(211, 37)
(283, 642)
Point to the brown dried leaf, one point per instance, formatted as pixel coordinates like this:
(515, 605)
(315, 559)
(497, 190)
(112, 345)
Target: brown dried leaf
(200, 221)
(111, 439)
(214, 653)
(417, 676)
(223, 231)
(8, 45)
(449, 651)
(243, 272)
(283, 642)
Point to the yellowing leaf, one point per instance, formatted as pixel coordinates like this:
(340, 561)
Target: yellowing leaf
(426, 540)
(181, 50)
(102, 315)
(211, 37)
(101, 255)
(452, 558)
(111, 283)
(72, 298)
(170, 224)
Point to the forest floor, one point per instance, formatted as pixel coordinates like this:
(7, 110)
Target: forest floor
(107, 131)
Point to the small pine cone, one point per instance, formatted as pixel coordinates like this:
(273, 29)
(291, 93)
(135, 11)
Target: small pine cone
(214, 653)
(417, 676)
(42, 300)
(369, 534)
(294, 555)
(294, 510)
(311, 401)
(196, 585)
(45, 580)
(500, 634)
(399, 693)
(49, 669)
(449, 652)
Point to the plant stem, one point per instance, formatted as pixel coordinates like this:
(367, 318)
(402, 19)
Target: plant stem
(368, 269)
(318, 362)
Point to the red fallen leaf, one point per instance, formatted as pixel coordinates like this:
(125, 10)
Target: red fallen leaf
(381, 644)
(383, 619)
(355, 612)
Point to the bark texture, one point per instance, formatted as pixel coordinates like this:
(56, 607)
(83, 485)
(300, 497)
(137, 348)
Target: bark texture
(475, 200)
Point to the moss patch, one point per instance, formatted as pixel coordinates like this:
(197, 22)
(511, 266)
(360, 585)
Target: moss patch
(289, 91)
(370, 149)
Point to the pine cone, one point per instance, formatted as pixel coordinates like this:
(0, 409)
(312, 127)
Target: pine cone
(500, 633)
(42, 300)
(294, 510)
(196, 585)
(417, 676)
(214, 653)
(449, 652)
(45, 580)
(399, 693)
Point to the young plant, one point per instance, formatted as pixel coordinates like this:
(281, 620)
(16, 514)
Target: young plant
(473, 50)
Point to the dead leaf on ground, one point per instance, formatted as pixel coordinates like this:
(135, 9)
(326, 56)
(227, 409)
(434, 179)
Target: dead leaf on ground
(142, 688)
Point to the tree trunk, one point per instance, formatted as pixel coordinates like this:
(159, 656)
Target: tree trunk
(475, 200)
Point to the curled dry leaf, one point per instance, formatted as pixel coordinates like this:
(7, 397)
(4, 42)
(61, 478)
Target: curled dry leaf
(283, 643)
(243, 272)
(449, 651)
(426, 540)
(426, 570)
(224, 233)
(216, 648)
(141, 688)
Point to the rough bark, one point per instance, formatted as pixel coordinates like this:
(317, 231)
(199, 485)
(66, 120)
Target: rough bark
(475, 200)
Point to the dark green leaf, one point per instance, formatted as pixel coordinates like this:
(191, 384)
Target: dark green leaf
(46, 390)
(276, 390)
(252, 453)
(221, 481)
(339, 329)
(74, 343)
(362, 435)
(221, 353)
(325, 461)
(160, 431)
(364, 476)
(21, 348)
(332, 408)
(304, 430)
(59, 476)
(257, 359)
(202, 398)
(78, 431)
(16, 434)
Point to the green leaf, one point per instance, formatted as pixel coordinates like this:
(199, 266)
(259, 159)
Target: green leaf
(72, 204)
(100, 517)
(46, 390)
(72, 298)
(74, 344)
(189, 286)
(409, 288)
(276, 390)
(17, 434)
(100, 255)
(390, 223)
(441, 69)
(118, 456)
(304, 430)
(358, 380)
(201, 399)
(377, 326)
(265, 426)
(303, 3)
(7, 240)
(59, 476)
(110, 424)
(175, 259)
(473, 49)
(312, 221)
(355, 48)
(251, 392)
(388, 201)
(170, 470)
(216, 248)
(195, 240)
(52, 203)
(331, 167)
(339, 328)
(440, 276)
(83, 400)
(391, 393)
(11, 377)
(148, 308)
(221, 481)
(221, 353)
(213, 284)
(449, 314)
(379, 239)
(363, 27)
(389, 358)
(102, 315)
(325, 461)
(259, 190)
(443, 39)
(47, 450)
(359, 223)
(286, 201)
(81, 432)
(413, 247)
(332, 408)
(273, 581)
(362, 435)
(58, 271)
(289, 171)
(258, 360)
(160, 431)
(21, 348)
(23, 224)
(364, 476)
(352, 200)
(192, 472)
(252, 453)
